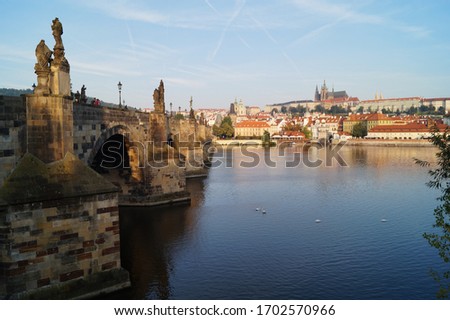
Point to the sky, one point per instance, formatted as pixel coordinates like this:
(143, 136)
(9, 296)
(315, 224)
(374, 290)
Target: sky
(258, 51)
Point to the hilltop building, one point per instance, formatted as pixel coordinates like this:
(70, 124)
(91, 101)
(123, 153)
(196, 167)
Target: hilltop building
(238, 108)
(390, 104)
(402, 104)
(324, 94)
(331, 98)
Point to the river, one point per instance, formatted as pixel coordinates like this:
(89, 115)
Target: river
(373, 206)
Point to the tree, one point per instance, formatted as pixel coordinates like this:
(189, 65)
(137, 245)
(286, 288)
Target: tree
(319, 108)
(217, 131)
(228, 120)
(361, 109)
(359, 130)
(307, 132)
(412, 110)
(265, 138)
(283, 109)
(179, 116)
(440, 176)
(225, 129)
(337, 110)
(301, 109)
(424, 109)
(293, 110)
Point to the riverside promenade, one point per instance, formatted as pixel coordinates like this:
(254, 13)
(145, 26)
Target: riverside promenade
(349, 142)
(386, 143)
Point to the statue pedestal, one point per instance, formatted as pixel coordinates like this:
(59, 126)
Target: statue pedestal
(60, 79)
(42, 80)
(49, 126)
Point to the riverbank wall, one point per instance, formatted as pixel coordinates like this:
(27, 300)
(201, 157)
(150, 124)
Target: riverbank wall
(386, 143)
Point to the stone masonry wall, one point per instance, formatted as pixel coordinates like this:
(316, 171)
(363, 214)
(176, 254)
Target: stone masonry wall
(53, 242)
(188, 140)
(12, 133)
(49, 126)
(92, 123)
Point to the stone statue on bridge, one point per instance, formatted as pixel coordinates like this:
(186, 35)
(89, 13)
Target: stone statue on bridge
(57, 31)
(42, 67)
(158, 98)
(43, 55)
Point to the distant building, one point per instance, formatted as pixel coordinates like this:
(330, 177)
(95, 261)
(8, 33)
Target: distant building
(391, 104)
(402, 132)
(238, 108)
(327, 98)
(252, 111)
(324, 94)
(251, 128)
(368, 120)
(437, 103)
(308, 104)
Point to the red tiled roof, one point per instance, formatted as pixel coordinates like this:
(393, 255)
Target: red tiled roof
(252, 124)
(435, 99)
(294, 134)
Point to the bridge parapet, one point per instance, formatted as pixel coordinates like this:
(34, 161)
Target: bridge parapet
(94, 125)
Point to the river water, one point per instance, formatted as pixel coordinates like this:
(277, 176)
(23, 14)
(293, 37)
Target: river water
(373, 206)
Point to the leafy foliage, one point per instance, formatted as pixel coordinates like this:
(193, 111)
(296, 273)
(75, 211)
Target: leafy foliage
(440, 180)
(307, 132)
(359, 130)
(225, 129)
(265, 137)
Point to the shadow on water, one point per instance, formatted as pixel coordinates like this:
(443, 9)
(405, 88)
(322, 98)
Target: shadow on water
(149, 237)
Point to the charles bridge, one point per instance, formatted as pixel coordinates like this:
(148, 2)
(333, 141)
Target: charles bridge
(67, 167)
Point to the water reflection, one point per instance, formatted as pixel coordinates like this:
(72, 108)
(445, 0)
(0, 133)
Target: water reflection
(149, 239)
(219, 247)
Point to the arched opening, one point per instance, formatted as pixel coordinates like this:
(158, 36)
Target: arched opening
(113, 161)
(112, 155)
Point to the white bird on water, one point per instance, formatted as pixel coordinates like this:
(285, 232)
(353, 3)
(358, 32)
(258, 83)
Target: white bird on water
(383, 220)
(257, 209)
(318, 221)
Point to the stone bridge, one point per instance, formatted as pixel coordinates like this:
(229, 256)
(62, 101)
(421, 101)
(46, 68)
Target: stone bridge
(67, 168)
(50, 235)
(129, 133)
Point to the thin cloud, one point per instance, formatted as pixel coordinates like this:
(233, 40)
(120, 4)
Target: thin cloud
(212, 7)
(126, 11)
(345, 13)
(104, 69)
(274, 41)
(183, 82)
(9, 53)
(339, 12)
(132, 11)
(237, 11)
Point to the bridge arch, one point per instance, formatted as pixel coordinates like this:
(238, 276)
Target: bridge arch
(118, 149)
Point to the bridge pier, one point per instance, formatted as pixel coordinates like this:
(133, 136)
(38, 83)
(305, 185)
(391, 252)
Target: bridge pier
(59, 219)
(59, 232)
